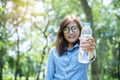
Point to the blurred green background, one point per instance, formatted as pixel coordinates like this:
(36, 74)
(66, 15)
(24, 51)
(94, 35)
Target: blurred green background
(28, 30)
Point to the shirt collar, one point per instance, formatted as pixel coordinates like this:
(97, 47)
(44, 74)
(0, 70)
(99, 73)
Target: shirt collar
(76, 45)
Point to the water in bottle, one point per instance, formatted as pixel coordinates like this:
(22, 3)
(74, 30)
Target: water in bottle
(86, 32)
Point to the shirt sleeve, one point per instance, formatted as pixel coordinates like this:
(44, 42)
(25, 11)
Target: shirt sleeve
(94, 57)
(50, 67)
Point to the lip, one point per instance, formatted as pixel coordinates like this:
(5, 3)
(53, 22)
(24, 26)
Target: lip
(71, 37)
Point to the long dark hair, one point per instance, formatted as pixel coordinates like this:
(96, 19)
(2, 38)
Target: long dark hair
(61, 42)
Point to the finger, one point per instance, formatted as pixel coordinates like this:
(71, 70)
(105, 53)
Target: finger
(85, 49)
(91, 51)
(85, 45)
(83, 42)
(91, 39)
(93, 44)
(88, 49)
(91, 48)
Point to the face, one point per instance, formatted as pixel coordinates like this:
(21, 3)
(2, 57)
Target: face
(71, 32)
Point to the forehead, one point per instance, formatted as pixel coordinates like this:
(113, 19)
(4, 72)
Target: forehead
(72, 23)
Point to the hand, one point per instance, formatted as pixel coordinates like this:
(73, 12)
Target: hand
(88, 45)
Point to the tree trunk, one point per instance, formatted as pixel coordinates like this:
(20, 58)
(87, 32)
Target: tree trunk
(18, 55)
(2, 62)
(89, 18)
(0, 72)
(2, 49)
(41, 62)
(27, 75)
(118, 61)
(43, 51)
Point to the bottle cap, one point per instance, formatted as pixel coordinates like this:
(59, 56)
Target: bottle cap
(86, 24)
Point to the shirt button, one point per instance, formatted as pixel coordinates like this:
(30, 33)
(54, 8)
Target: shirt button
(67, 56)
(67, 72)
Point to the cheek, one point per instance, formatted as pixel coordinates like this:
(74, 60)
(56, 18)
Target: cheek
(78, 34)
(65, 35)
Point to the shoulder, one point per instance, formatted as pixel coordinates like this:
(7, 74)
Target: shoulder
(53, 51)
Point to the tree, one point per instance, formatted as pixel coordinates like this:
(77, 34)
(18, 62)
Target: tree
(28, 30)
(89, 18)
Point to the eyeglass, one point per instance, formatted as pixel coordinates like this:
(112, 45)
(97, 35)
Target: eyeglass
(73, 29)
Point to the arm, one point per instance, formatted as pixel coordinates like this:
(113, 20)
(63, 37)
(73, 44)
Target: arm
(92, 56)
(50, 67)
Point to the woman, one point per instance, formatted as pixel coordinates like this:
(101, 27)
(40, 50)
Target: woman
(63, 58)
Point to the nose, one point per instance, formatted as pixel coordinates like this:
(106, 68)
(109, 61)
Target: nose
(71, 31)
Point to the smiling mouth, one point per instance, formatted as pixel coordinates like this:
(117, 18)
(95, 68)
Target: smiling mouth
(71, 37)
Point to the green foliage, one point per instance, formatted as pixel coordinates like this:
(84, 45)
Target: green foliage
(37, 23)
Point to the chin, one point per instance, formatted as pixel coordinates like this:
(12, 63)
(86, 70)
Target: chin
(72, 41)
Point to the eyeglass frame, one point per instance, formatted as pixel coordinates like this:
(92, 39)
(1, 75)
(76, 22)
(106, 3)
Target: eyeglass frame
(71, 28)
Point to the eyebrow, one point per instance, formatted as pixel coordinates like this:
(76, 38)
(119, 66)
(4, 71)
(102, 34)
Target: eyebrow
(72, 25)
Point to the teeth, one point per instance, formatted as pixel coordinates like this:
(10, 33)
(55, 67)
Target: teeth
(71, 37)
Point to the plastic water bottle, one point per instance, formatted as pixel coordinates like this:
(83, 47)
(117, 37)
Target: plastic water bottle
(86, 32)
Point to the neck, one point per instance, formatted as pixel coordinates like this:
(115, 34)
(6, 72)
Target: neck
(70, 45)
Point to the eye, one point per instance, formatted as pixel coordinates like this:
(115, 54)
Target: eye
(74, 28)
(66, 30)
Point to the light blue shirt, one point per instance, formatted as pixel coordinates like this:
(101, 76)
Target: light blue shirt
(66, 67)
